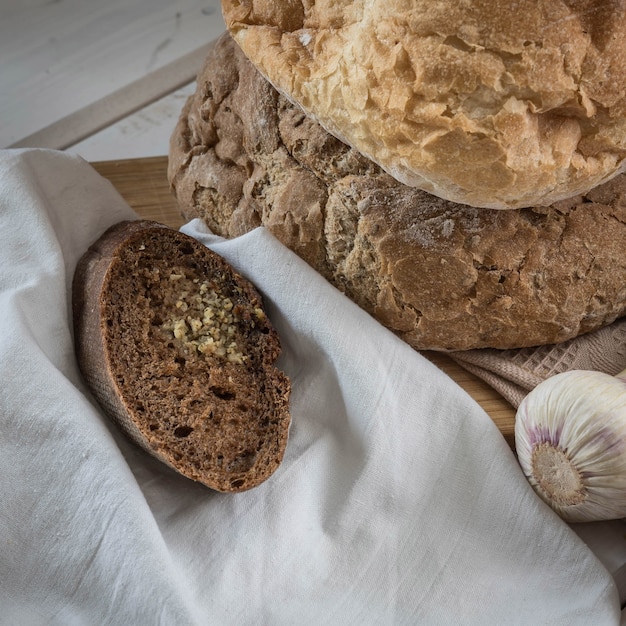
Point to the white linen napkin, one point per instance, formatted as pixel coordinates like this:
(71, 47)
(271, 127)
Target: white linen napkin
(398, 501)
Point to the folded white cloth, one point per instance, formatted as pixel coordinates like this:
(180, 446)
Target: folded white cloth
(398, 501)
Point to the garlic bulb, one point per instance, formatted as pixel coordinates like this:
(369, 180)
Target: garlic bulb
(570, 436)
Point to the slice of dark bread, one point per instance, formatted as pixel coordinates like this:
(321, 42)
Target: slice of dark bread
(177, 348)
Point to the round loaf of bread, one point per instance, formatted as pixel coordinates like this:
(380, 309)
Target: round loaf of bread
(490, 104)
(177, 349)
(441, 275)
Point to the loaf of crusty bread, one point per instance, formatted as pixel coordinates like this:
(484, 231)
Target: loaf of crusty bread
(487, 103)
(178, 349)
(443, 276)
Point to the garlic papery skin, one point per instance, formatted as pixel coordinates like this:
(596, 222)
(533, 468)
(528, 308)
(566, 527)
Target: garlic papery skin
(570, 438)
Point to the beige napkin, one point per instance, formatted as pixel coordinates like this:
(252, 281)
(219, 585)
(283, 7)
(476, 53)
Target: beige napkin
(513, 373)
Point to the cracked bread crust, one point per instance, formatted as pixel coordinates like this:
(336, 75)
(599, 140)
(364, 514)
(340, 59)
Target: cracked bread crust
(177, 349)
(443, 276)
(486, 103)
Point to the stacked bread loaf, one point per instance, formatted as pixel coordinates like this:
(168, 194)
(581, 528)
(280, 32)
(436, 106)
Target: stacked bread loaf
(453, 168)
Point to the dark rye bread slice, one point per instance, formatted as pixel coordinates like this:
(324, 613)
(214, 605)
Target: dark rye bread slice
(177, 348)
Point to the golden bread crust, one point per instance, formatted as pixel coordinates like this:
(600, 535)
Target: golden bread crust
(478, 102)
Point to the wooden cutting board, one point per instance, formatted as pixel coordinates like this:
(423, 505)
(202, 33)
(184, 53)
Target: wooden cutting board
(143, 184)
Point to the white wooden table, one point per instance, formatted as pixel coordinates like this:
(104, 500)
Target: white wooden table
(106, 80)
